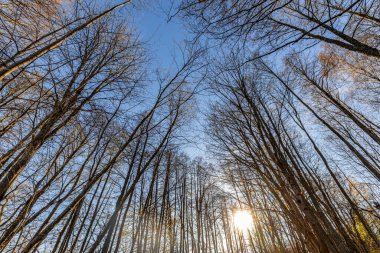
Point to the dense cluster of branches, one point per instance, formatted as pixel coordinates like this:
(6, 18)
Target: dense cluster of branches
(80, 144)
(302, 136)
(90, 161)
(276, 24)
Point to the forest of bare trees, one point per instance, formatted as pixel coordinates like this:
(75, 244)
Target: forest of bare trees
(94, 150)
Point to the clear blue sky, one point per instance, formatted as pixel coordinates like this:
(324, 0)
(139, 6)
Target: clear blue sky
(163, 39)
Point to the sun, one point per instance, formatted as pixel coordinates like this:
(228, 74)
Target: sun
(242, 220)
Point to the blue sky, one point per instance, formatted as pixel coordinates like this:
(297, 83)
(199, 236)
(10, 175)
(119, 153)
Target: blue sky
(163, 41)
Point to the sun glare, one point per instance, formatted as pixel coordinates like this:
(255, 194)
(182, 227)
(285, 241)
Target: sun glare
(243, 220)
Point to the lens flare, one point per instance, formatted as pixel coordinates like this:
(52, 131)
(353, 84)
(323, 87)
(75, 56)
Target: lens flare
(242, 220)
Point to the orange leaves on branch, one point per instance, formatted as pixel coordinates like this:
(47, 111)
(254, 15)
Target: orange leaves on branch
(329, 62)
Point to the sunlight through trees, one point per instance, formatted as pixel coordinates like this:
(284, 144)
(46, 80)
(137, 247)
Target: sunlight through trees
(242, 220)
(280, 98)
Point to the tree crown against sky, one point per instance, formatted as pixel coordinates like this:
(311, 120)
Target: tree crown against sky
(189, 126)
